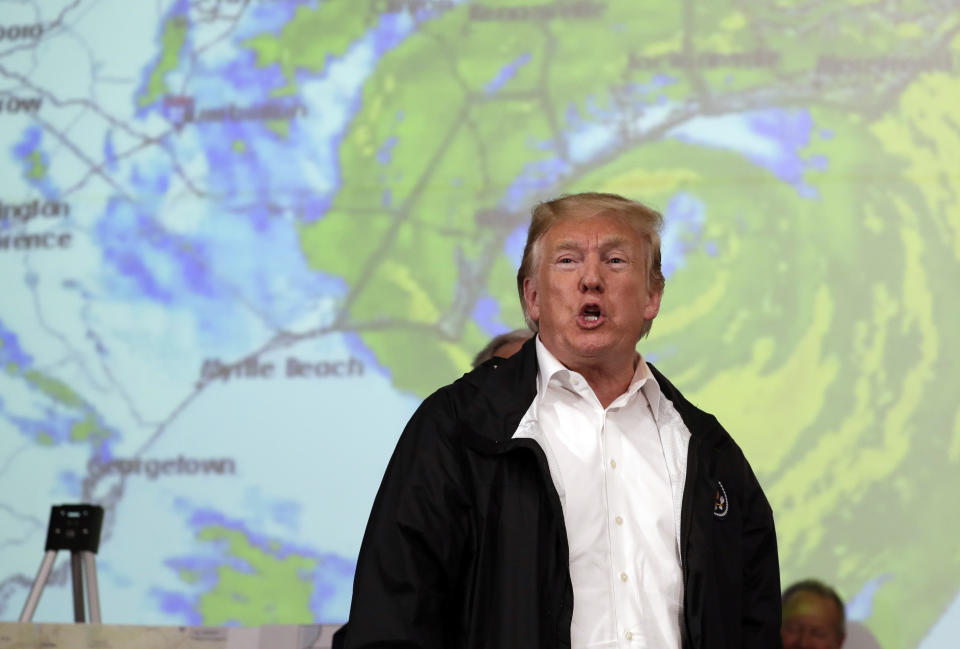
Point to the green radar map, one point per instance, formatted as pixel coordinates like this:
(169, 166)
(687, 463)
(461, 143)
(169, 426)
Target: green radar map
(242, 240)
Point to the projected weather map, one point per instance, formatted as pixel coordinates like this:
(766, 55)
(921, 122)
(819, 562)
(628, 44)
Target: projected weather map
(240, 241)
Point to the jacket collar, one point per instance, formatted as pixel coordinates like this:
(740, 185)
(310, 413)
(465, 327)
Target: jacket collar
(698, 422)
(505, 388)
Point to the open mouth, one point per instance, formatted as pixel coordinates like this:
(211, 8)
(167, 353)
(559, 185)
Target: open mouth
(590, 314)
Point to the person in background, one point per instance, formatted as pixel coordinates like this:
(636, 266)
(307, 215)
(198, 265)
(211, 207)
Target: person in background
(813, 616)
(569, 496)
(503, 346)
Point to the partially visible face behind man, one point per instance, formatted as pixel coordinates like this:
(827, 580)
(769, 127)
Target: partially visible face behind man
(508, 349)
(589, 290)
(811, 621)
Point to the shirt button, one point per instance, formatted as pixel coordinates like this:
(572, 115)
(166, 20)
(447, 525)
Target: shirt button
(623, 576)
(619, 520)
(628, 635)
(613, 464)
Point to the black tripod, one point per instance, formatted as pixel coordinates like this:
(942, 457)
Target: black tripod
(75, 528)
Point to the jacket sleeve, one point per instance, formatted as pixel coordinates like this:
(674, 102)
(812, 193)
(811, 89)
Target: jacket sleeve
(761, 571)
(407, 576)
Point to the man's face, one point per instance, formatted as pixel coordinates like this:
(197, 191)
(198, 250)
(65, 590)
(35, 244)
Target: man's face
(810, 621)
(589, 290)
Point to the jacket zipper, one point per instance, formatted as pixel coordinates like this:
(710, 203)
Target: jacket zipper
(686, 517)
(503, 447)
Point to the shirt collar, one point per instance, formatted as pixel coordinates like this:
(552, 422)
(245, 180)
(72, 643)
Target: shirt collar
(642, 380)
(548, 366)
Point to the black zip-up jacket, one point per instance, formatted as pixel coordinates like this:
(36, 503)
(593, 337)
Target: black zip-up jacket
(466, 547)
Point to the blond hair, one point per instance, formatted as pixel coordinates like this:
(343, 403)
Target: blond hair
(645, 220)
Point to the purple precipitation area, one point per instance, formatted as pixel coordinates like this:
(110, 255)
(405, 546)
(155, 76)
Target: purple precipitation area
(486, 313)
(506, 73)
(56, 427)
(332, 578)
(10, 350)
(174, 268)
(682, 235)
(773, 139)
(28, 145)
(251, 225)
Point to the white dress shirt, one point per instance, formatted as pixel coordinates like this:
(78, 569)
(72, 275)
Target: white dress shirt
(619, 472)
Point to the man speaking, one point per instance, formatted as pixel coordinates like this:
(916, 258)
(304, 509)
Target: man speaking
(570, 496)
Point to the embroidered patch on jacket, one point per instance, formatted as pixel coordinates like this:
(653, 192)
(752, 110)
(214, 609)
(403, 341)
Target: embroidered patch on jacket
(720, 504)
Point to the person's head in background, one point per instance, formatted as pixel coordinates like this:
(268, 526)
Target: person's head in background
(503, 346)
(813, 616)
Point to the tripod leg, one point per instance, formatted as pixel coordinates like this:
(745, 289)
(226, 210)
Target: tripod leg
(37, 589)
(93, 593)
(76, 574)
